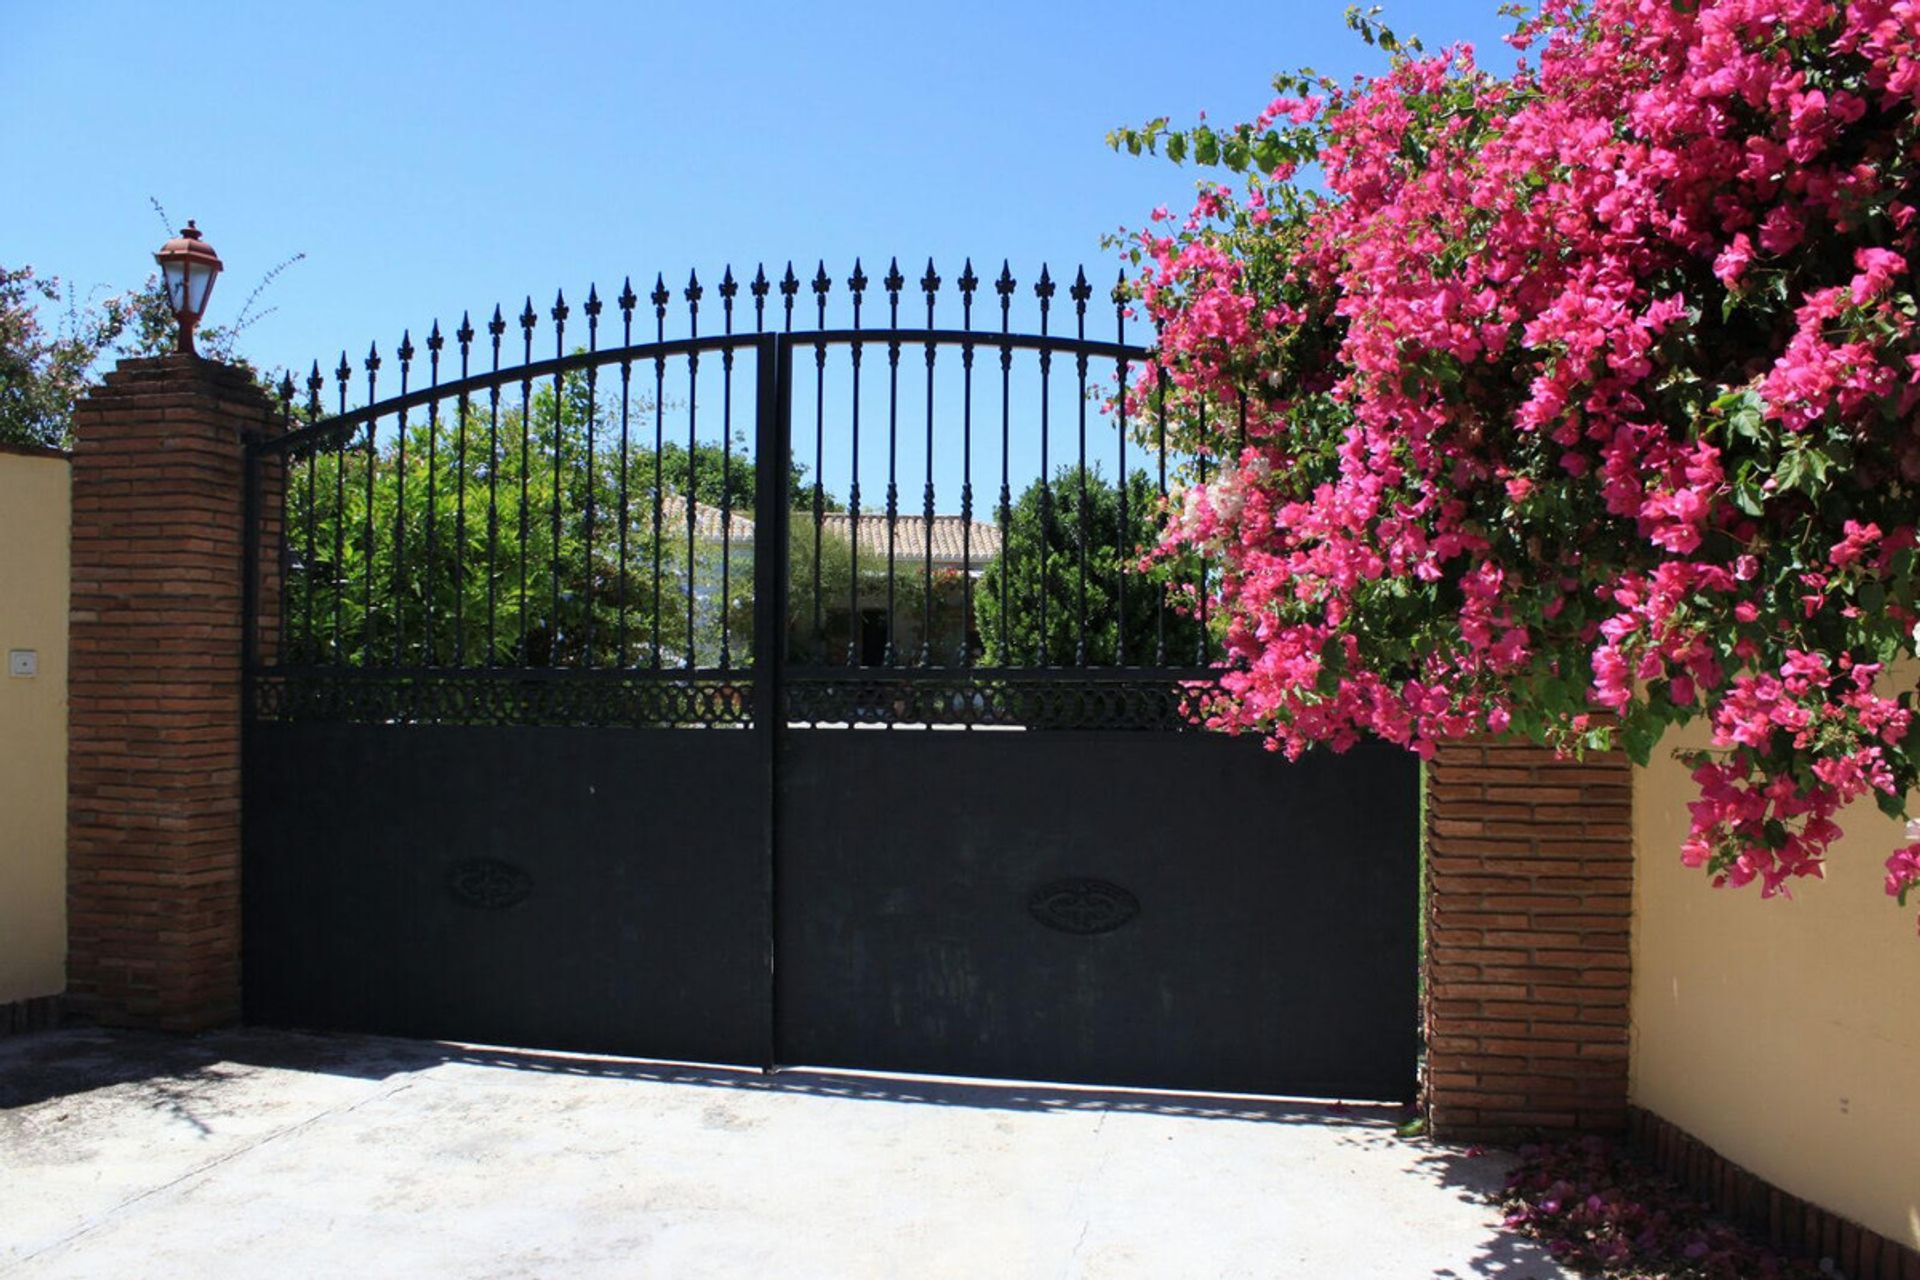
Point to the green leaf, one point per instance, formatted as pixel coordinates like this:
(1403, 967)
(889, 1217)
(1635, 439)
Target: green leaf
(1639, 739)
(1206, 146)
(1268, 153)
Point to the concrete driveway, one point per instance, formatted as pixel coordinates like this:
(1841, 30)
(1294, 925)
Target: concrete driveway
(268, 1154)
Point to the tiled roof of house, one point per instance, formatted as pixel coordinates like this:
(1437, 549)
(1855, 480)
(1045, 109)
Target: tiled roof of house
(706, 521)
(953, 543)
(951, 537)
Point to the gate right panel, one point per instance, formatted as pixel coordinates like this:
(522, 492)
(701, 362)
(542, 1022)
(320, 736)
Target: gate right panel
(1173, 910)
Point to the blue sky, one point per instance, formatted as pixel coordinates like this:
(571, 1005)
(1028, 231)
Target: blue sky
(432, 157)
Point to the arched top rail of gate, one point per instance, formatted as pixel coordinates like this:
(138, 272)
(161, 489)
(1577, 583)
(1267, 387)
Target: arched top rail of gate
(330, 406)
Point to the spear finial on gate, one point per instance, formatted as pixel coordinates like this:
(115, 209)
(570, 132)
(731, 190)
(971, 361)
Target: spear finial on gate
(930, 285)
(789, 286)
(822, 282)
(495, 327)
(626, 301)
(759, 289)
(728, 288)
(968, 282)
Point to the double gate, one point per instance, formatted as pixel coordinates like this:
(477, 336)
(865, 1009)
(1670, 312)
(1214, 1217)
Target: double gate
(615, 701)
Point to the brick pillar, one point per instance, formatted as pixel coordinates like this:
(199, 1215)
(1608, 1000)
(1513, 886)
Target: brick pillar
(153, 804)
(1529, 908)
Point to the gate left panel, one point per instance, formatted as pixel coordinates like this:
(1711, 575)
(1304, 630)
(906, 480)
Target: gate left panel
(567, 888)
(507, 759)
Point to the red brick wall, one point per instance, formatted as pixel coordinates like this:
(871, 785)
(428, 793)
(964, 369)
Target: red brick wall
(153, 821)
(1529, 908)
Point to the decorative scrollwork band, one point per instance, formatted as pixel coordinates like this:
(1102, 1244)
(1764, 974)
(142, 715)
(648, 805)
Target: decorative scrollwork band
(609, 699)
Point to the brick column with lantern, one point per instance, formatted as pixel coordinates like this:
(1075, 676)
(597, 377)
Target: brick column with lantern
(153, 821)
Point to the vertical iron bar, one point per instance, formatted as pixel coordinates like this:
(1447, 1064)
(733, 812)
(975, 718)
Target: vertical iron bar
(368, 574)
(822, 283)
(968, 283)
(283, 627)
(527, 321)
(496, 328)
(729, 287)
(1004, 287)
(1160, 448)
(465, 338)
(434, 343)
(339, 451)
(1126, 526)
(659, 299)
(930, 284)
(857, 283)
(559, 314)
(1043, 289)
(627, 301)
(759, 288)
(308, 653)
(400, 507)
(892, 282)
(1200, 641)
(693, 294)
(592, 309)
(1080, 292)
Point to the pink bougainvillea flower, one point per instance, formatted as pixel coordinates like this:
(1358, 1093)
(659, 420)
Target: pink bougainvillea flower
(1588, 388)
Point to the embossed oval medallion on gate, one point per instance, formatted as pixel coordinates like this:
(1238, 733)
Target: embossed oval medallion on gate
(488, 883)
(1083, 906)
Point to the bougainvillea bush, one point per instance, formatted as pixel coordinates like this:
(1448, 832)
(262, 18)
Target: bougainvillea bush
(1580, 402)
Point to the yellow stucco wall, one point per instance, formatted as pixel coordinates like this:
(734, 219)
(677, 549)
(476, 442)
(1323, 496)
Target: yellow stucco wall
(34, 511)
(1784, 1034)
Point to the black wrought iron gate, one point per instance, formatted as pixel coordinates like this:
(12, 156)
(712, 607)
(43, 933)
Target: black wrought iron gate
(570, 730)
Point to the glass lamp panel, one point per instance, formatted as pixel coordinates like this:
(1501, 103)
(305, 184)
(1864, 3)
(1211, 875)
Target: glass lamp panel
(199, 284)
(176, 277)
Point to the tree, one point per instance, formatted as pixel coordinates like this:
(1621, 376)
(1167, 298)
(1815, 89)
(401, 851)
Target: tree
(1023, 589)
(43, 371)
(484, 535)
(1581, 403)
